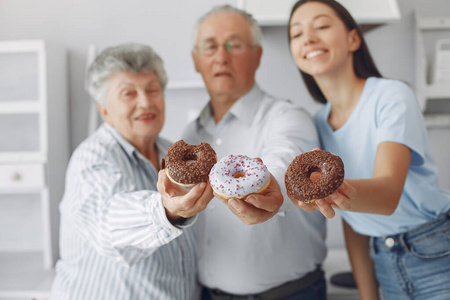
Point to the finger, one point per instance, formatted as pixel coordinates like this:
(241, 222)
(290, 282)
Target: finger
(189, 200)
(338, 200)
(306, 206)
(269, 202)
(205, 198)
(325, 208)
(248, 213)
(347, 190)
(223, 200)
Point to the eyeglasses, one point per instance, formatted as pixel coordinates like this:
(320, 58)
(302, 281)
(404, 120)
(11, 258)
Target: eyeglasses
(234, 47)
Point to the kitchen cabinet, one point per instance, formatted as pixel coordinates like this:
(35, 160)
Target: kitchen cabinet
(429, 30)
(33, 158)
(276, 13)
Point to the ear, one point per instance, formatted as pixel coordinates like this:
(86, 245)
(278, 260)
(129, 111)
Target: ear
(354, 40)
(195, 59)
(103, 111)
(258, 54)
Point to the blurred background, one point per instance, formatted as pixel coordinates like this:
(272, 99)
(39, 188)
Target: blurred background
(412, 43)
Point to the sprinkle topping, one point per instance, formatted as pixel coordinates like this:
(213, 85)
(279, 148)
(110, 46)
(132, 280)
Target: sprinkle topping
(238, 175)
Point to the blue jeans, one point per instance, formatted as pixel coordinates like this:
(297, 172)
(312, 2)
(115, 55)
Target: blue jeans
(415, 264)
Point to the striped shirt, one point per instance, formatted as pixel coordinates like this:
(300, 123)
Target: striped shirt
(116, 242)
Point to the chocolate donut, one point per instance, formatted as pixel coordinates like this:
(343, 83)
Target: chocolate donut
(188, 165)
(297, 178)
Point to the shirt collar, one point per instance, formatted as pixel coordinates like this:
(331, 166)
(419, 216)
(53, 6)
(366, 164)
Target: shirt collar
(128, 147)
(243, 109)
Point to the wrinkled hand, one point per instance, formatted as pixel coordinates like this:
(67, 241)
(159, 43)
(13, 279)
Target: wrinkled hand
(339, 199)
(256, 208)
(180, 202)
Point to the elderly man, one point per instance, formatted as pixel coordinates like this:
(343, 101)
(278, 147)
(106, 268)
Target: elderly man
(119, 238)
(281, 257)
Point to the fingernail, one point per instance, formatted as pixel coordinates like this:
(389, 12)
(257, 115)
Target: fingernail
(320, 202)
(333, 196)
(202, 185)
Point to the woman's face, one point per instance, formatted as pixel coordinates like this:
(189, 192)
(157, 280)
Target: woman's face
(319, 41)
(135, 106)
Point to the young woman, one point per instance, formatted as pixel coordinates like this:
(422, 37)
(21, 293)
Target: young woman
(393, 209)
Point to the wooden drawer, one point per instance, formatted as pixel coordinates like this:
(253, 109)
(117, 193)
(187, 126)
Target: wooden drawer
(21, 176)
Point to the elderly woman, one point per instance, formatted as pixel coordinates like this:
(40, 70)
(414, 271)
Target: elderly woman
(120, 239)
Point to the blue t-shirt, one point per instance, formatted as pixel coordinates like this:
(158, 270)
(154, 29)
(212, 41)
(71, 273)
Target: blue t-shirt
(387, 112)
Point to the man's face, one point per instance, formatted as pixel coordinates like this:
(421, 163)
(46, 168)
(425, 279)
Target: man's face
(135, 106)
(226, 72)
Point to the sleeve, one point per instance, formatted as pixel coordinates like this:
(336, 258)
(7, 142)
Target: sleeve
(399, 119)
(121, 223)
(291, 132)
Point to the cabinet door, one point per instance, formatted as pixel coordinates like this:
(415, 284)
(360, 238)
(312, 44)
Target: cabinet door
(22, 102)
(19, 78)
(20, 132)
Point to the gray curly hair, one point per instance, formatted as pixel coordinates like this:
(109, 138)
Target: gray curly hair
(129, 57)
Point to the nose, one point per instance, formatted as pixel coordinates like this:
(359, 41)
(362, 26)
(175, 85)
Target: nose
(144, 100)
(308, 36)
(222, 55)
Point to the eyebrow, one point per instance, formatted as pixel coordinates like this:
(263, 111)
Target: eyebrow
(315, 18)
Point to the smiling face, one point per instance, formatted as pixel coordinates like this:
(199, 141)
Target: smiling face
(134, 106)
(226, 74)
(319, 41)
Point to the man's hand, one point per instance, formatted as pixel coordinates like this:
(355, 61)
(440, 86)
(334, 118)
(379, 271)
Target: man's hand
(180, 202)
(256, 208)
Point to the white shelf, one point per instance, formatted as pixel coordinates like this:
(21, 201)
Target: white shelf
(32, 165)
(428, 91)
(433, 23)
(20, 107)
(437, 120)
(22, 157)
(22, 276)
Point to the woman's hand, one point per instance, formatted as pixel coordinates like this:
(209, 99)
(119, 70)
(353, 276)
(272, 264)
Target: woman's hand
(180, 202)
(341, 198)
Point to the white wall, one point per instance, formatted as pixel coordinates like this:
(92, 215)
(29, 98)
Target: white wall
(167, 26)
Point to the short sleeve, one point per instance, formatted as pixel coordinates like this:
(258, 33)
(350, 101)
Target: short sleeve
(399, 119)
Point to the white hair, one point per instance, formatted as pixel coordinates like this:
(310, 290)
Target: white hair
(122, 58)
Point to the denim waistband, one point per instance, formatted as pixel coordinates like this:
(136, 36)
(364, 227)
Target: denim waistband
(403, 239)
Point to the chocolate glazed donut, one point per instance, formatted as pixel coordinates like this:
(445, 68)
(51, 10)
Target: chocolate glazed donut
(297, 178)
(188, 165)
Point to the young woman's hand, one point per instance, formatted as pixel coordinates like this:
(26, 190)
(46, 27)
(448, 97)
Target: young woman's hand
(341, 199)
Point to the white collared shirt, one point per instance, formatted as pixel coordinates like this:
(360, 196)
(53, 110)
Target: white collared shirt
(247, 259)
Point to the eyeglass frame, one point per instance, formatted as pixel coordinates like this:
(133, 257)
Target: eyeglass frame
(226, 45)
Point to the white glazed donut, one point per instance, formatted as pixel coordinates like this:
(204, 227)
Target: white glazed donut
(236, 176)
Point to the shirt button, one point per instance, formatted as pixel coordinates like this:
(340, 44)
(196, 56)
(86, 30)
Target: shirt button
(219, 141)
(389, 242)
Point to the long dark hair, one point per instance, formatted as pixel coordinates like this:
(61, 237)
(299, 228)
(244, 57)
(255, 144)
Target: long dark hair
(363, 64)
